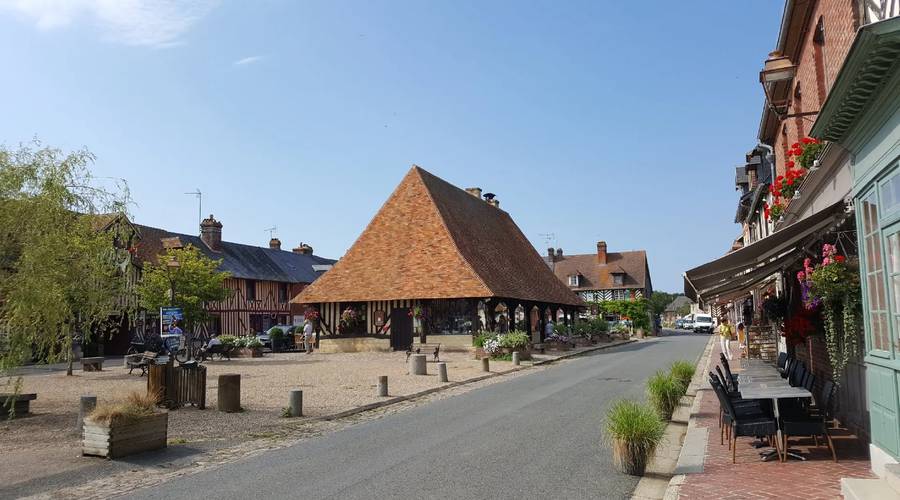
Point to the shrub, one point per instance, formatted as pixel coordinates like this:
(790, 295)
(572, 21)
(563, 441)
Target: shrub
(135, 406)
(598, 325)
(634, 429)
(664, 391)
(555, 337)
(276, 333)
(228, 340)
(683, 371)
(479, 340)
(252, 342)
(514, 340)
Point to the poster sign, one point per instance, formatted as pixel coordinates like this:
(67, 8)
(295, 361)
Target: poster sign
(379, 318)
(167, 316)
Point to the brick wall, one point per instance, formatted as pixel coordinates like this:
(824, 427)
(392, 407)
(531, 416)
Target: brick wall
(816, 72)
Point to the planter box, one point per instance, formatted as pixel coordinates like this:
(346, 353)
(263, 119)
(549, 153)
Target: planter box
(583, 342)
(558, 346)
(480, 354)
(523, 353)
(248, 352)
(119, 440)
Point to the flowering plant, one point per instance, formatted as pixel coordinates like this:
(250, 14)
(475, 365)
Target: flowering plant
(806, 151)
(799, 327)
(491, 346)
(311, 315)
(349, 317)
(417, 312)
(800, 157)
(555, 337)
(775, 210)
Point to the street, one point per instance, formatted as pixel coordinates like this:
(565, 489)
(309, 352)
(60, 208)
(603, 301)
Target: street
(535, 436)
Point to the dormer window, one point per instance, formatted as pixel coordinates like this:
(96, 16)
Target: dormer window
(574, 280)
(618, 279)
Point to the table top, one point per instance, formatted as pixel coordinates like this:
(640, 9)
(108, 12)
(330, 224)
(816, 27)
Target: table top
(772, 389)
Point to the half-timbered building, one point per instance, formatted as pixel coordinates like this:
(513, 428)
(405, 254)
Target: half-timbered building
(603, 276)
(263, 279)
(437, 260)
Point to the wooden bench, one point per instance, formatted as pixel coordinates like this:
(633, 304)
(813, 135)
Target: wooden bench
(92, 364)
(224, 352)
(434, 349)
(141, 361)
(19, 403)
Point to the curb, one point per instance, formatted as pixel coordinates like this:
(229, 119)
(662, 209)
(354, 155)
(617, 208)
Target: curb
(400, 399)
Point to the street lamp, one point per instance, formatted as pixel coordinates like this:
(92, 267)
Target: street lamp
(777, 68)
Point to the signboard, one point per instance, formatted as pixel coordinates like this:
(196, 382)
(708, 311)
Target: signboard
(379, 318)
(167, 316)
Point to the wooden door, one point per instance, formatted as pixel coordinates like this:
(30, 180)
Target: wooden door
(401, 328)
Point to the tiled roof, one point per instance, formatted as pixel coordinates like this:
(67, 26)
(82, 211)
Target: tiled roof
(679, 302)
(241, 261)
(430, 240)
(596, 276)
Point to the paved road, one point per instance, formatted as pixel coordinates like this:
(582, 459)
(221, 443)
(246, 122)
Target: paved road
(535, 436)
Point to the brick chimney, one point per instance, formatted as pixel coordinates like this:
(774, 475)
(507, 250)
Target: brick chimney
(601, 252)
(491, 199)
(275, 244)
(476, 192)
(303, 249)
(211, 233)
(551, 254)
(559, 254)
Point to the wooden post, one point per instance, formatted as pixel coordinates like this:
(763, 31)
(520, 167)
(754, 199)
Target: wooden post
(296, 403)
(229, 399)
(485, 364)
(383, 386)
(442, 372)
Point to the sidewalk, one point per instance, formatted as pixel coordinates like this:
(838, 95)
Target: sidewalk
(816, 478)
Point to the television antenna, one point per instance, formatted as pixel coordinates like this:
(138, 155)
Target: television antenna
(199, 197)
(549, 239)
(271, 231)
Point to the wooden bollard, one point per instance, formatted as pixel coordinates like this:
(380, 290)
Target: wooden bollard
(296, 403)
(417, 364)
(442, 372)
(382, 386)
(86, 406)
(515, 358)
(485, 364)
(229, 392)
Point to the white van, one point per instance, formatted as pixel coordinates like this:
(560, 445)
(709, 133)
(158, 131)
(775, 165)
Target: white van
(703, 323)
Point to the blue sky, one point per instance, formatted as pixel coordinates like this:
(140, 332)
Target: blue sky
(620, 121)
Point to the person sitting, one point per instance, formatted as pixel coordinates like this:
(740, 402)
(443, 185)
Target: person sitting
(213, 341)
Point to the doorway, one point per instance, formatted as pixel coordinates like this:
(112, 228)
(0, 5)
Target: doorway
(401, 328)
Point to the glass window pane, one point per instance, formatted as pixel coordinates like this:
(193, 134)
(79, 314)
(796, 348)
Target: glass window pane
(895, 281)
(889, 191)
(893, 246)
(876, 252)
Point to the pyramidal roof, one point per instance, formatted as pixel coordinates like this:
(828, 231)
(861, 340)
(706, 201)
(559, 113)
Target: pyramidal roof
(432, 240)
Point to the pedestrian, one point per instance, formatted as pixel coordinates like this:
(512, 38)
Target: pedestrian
(725, 333)
(741, 337)
(308, 339)
(548, 328)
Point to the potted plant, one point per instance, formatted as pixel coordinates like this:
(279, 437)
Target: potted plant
(276, 335)
(558, 342)
(633, 430)
(250, 347)
(515, 341)
(478, 342)
(115, 430)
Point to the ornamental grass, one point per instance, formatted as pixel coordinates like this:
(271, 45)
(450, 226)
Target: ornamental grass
(664, 392)
(135, 406)
(634, 430)
(683, 371)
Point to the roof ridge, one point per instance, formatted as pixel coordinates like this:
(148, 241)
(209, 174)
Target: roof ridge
(419, 171)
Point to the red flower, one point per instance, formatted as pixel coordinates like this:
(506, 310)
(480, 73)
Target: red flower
(779, 178)
(795, 145)
(839, 258)
(790, 164)
(790, 182)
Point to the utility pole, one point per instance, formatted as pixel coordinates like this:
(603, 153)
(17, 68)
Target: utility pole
(199, 197)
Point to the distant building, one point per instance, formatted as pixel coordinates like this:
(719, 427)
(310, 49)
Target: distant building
(670, 314)
(604, 275)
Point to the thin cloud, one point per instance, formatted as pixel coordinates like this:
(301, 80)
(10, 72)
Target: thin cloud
(248, 60)
(153, 23)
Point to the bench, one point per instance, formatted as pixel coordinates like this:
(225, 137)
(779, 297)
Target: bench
(92, 364)
(434, 349)
(224, 352)
(19, 403)
(141, 361)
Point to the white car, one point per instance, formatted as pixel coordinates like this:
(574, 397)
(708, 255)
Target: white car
(703, 323)
(688, 324)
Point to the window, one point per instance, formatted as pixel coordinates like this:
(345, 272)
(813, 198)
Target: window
(282, 292)
(618, 279)
(573, 280)
(251, 290)
(890, 194)
(876, 303)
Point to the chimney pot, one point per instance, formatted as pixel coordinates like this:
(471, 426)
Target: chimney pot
(601, 252)
(275, 244)
(474, 191)
(211, 233)
(559, 253)
(303, 249)
(550, 253)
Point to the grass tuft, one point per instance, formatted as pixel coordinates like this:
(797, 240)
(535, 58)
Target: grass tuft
(636, 425)
(664, 392)
(683, 371)
(135, 406)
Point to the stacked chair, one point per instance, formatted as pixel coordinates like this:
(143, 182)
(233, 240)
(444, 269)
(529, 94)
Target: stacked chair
(742, 417)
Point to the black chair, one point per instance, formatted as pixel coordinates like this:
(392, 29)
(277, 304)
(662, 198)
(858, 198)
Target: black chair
(742, 405)
(810, 423)
(728, 382)
(782, 360)
(797, 374)
(809, 381)
(744, 423)
(788, 366)
(727, 367)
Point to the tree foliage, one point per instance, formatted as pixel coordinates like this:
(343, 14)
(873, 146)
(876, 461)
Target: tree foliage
(660, 300)
(637, 310)
(60, 269)
(197, 281)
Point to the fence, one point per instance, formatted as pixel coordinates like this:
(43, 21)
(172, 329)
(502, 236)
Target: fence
(178, 386)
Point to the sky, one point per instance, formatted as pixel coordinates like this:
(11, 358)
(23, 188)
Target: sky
(596, 120)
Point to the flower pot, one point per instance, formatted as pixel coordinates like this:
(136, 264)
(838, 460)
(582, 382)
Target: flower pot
(249, 352)
(119, 439)
(629, 459)
(524, 353)
(480, 353)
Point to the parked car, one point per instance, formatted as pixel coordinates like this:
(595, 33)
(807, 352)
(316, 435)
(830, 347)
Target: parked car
(679, 323)
(687, 323)
(267, 341)
(703, 323)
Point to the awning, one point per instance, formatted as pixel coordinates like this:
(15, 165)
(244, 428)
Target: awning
(742, 269)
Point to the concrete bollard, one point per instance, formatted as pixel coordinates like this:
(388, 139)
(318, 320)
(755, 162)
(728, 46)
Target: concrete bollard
(485, 364)
(417, 364)
(229, 392)
(442, 372)
(296, 403)
(86, 406)
(515, 358)
(382, 386)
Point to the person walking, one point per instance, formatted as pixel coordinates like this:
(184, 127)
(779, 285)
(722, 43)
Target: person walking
(726, 331)
(742, 339)
(308, 338)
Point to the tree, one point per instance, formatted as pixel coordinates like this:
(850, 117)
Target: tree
(659, 301)
(196, 281)
(59, 272)
(634, 309)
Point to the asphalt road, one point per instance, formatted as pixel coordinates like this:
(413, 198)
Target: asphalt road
(534, 436)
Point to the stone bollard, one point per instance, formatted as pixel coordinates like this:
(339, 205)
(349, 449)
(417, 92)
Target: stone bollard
(296, 403)
(229, 392)
(515, 358)
(485, 364)
(382, 386)
(87, 405)
(442, 372)
(417, 364)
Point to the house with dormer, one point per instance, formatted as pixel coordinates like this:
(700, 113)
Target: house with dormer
(603, 276)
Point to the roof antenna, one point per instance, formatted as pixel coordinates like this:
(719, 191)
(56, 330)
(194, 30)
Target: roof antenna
(549, 239)
(271, 231)
(199, 197)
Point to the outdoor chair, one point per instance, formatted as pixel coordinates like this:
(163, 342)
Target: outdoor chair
(809, 381)
(796, 378)
(781, 362)
(729, 383)
(742, 422)
(809, 423)
(788, 366)
(741, 405)
(727, 367)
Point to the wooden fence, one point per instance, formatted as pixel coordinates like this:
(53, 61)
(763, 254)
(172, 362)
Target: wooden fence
(178, 386)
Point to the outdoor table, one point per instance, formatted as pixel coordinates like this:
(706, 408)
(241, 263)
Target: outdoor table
(766, 387)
